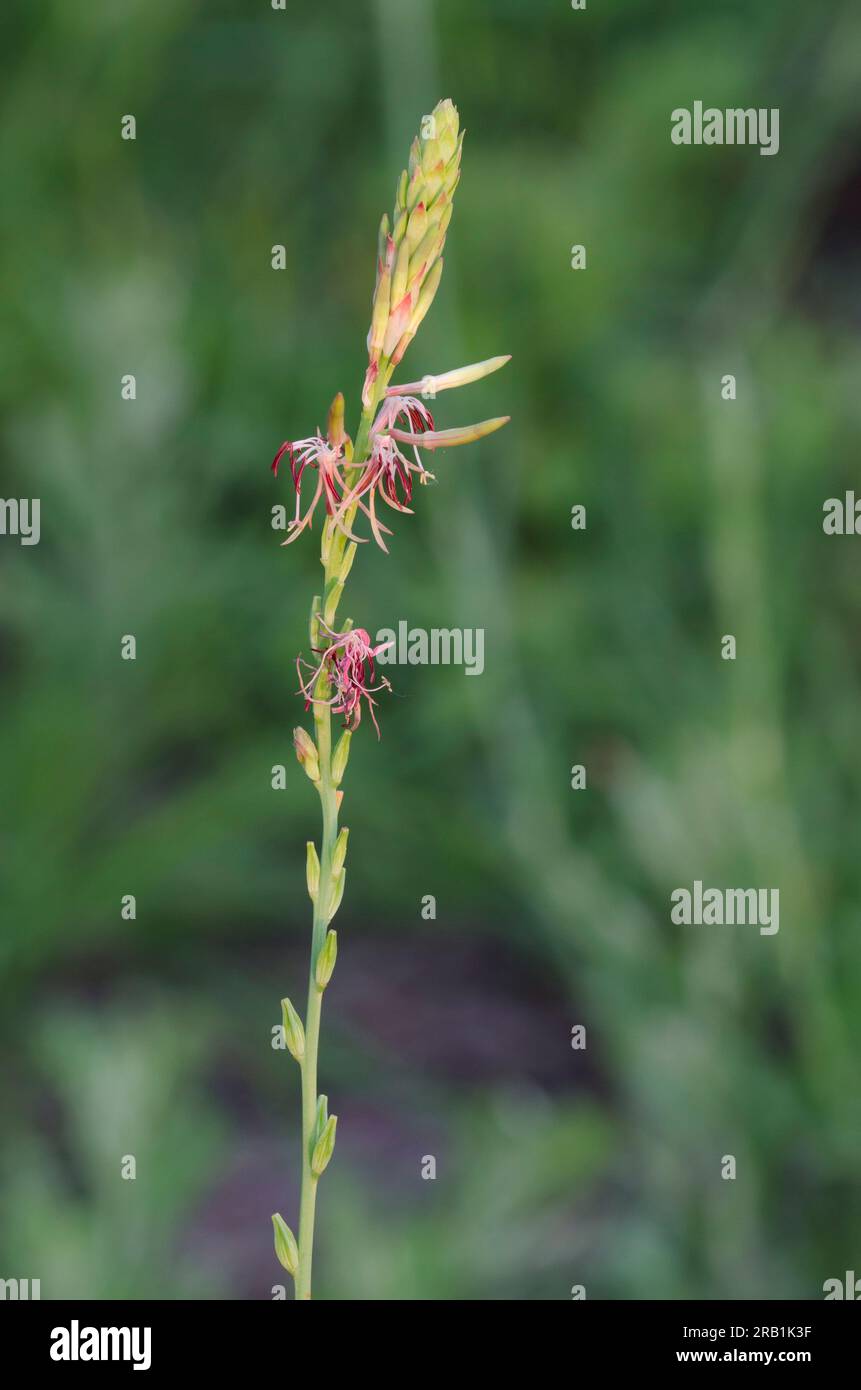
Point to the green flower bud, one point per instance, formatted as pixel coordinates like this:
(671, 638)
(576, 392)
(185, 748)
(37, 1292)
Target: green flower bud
(421, 216)
(425, 253)
(294, 1033)
(428, 293)
(426, 299)
(399, 321)
(399, 276)
(382, 241)
(400, 227)
(312, 871)
(337, 893)
(285, 1244)
(322, 1116)
(417, 226)
(434, 182)
(326, 960)
(415, 189)
(333, 598)
(347, 562)
(446, 129)
(431, 154)
(324, 1147)
(461, 376)
(306, 753)
(335, 429)
(313, 630)
(340, 852)
(340, 757)
(380, 314)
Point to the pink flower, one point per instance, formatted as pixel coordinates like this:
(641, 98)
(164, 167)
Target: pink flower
(314, 452)
(348, 663)
(387, 473)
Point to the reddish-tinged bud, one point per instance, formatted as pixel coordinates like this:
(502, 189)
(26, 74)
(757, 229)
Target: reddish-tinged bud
(417, 226)
(380, 314)
(400, 227)
(402, 265)
(399, 320)
(434, 181)
(306, 753)
(370, 382)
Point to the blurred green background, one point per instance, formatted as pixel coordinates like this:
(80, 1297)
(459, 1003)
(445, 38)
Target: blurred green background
(450, 1037)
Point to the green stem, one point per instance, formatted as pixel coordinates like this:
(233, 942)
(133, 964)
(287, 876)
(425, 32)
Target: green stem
(333, 546)
(315, 999)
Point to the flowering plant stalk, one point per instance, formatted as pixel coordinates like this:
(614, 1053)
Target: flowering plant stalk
(352, 478)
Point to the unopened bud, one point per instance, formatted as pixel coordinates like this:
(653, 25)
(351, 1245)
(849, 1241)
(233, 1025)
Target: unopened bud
(399, 320)
(285, 1244)
(399, 230)
(340, 756)
(312, 871)
(399, 277)
(335, 430)
(347, 562)
(380, 314)
(429, 288)
(306, 753)
(434, 181)
(461, 376)
(425, 254)
(294, 1033)
(417, 226)
(382, 241)
(313, 628)
(339, 853)
(326, 960)
(337, 893)
(446, 128)
(333, 598)
(430, 149)
(324, 1147)
(447, 439)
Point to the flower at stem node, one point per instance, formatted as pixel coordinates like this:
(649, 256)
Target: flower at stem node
(326, 960)
(285, 1244)
(306, 753)
(294, 1033)
(324, 1147)
(312, 871)
(347, 663)
(340, 756)
(339, 854)
(337, 893)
